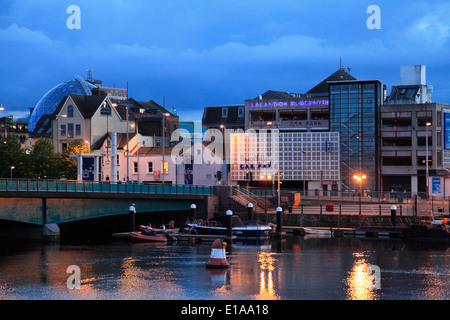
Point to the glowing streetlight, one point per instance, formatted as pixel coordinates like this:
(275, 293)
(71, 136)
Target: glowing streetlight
(359, 178)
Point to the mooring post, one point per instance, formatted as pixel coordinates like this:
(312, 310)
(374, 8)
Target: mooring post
(393, 214)
(132, 212)
(194, 211)
(250, 211)
(229, 223)
(279, 220)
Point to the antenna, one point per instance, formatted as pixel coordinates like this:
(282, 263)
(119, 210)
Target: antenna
(89, 74)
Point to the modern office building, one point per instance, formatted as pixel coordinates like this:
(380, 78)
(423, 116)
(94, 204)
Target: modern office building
(355, 115)
(291, 135)
(304, 160)
(414, 131)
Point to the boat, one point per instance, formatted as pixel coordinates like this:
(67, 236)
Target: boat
(433, 227)
(315, 231)
(148, 234)
(217, 226)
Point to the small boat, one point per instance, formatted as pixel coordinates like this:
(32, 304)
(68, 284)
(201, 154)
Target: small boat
(148, 234)
(317, 231)
(217, 226)
(432, 228)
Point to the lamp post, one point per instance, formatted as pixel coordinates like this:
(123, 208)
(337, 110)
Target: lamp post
(265, 179)
(164, 145)
(12, 168)
(426, 160)
(303, 172)
(359, 178)
(225, 151)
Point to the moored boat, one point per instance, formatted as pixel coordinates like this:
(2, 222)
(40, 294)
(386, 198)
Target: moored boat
(148, 234)
(433, 227)
(217, 226)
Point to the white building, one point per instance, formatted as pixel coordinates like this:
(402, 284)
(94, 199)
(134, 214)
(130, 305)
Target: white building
(310, 158)
(193, 166)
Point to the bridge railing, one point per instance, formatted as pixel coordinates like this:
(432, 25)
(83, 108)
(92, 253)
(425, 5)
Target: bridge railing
(27, 185)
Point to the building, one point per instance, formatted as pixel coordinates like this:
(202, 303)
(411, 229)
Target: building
(289, 133)
(414, 130)
(355, 115)
(17, 128)
(229, 116)
(85, 118)
(302, 160)
(50, 101)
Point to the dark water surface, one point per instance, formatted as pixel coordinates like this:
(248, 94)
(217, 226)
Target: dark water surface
(293, 268)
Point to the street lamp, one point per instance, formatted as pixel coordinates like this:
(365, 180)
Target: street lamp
(426, 159)
(225, 151)
(359, 178)
(12, 168)
(265, 179)
(164, 145)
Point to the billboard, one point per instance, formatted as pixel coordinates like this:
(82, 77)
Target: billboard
(446, 120)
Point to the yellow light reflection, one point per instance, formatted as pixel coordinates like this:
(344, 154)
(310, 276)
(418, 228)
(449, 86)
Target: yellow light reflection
(360, 282)
(266, 285)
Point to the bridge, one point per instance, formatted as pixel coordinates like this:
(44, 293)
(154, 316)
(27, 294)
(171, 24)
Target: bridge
(41, 202)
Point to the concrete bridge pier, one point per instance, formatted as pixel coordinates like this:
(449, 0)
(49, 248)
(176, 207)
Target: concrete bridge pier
(50, 231)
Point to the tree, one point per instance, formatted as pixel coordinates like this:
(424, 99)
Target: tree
(12, 155)
(44, 162)
(67, 165)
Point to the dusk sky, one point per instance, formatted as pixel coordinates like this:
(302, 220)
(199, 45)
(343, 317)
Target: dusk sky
(198, 53)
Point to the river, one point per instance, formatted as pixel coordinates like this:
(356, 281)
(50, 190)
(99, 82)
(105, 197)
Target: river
(295, 268)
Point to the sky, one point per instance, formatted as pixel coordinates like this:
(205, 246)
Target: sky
(197, 53)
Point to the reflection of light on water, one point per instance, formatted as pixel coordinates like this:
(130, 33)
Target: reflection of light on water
(433, 286)
(266, 286)
(360, 282)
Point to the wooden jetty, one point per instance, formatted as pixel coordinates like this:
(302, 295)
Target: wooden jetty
(181, 236)
(372, 232)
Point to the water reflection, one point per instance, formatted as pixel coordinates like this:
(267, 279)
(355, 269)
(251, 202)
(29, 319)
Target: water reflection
(360, 281)
(266, 286)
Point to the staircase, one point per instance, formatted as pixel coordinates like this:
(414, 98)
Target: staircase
(243, 197)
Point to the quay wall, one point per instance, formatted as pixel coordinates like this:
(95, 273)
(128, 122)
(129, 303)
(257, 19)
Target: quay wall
(329, 220)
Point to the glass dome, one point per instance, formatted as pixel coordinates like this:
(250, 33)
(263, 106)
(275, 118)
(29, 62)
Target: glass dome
(50, 101)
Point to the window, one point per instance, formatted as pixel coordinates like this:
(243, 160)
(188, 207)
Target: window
(240, 112)
(150, 167)
(78, 129)
(224, 112)
(105, 110)
(63, 130)
(70, 130)
(70, 111)
(135, 167)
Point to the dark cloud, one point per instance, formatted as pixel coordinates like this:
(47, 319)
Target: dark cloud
(192, 54)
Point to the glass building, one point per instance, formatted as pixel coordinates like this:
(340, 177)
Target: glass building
(355, 114)
(50, 101)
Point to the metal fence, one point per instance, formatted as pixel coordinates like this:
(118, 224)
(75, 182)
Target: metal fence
(30, 185)
(351, 196)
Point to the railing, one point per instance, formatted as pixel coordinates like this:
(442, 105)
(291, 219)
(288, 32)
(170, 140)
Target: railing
(366, 196)
(251, 198)
(28, 185)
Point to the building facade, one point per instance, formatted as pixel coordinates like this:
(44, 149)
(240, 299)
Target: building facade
(304, 160)
(355, 115)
